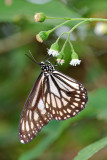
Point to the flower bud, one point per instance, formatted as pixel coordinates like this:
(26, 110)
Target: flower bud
(74, 59)
(55, 46)
(60, 59)
(39, 17)
(54, 50)
(43, 35)
(74, 55)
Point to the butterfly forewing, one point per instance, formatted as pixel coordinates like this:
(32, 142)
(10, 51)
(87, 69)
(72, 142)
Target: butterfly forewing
(53, 96)
(34, 115)
(64, 97)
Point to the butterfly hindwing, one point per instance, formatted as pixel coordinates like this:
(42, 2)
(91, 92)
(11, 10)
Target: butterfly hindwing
(53, 96)
(34, 115)
(64, 97)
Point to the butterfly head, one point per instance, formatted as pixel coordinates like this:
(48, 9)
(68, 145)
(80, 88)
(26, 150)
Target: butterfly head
(48, 67)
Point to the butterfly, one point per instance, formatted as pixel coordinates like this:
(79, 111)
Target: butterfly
(53, 96)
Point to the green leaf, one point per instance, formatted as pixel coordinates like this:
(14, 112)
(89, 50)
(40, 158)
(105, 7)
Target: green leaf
(90, 150)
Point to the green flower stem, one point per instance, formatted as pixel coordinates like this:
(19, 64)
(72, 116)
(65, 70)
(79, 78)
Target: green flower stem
(78, 19)
(69, 35)
(62, 50)
(77, 26)
(51, 30)
(73, 19)
(60, 36)
(72, 48)
(58, 18)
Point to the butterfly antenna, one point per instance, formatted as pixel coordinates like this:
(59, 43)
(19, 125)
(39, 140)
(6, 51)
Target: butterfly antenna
(32, 58)
(48, 58)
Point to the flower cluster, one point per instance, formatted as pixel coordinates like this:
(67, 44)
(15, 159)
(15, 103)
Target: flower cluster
(60, 55)
(54, 49)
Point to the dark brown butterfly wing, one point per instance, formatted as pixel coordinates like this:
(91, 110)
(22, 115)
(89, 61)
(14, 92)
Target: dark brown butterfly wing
(34, 115)
(52, 96)
(64, 97)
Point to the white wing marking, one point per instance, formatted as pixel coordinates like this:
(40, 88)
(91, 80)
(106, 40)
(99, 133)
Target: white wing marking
(53, 88)
(66, 93)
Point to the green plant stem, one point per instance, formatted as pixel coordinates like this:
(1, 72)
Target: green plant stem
(78, 19)
(65, 32)
(62, 50)
(51, 30)
(77, 25)
(57, 18)
(72, 48)
(60, 36)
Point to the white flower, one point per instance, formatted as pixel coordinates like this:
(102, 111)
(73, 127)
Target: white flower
(75, 62)
(60, 61)
(53, 52)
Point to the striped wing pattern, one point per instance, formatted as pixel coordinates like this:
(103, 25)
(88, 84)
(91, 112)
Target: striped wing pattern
(53, 96)
(34, 115)
(64, 97)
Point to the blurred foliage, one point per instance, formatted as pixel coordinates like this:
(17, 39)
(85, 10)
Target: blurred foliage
(87, 152)
(58, 140)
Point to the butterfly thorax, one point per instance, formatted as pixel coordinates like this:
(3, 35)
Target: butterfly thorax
(47, 68)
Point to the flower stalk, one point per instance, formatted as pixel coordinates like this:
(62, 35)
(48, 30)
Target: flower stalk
(54, 49)
(78, 19)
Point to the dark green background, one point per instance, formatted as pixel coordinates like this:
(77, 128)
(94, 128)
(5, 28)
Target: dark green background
(58, 140)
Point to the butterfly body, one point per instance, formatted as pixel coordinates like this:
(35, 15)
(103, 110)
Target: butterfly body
(53, 96)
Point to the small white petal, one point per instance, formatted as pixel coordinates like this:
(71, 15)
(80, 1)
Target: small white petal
(75, 62)
(60, 61)
(53, 52)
